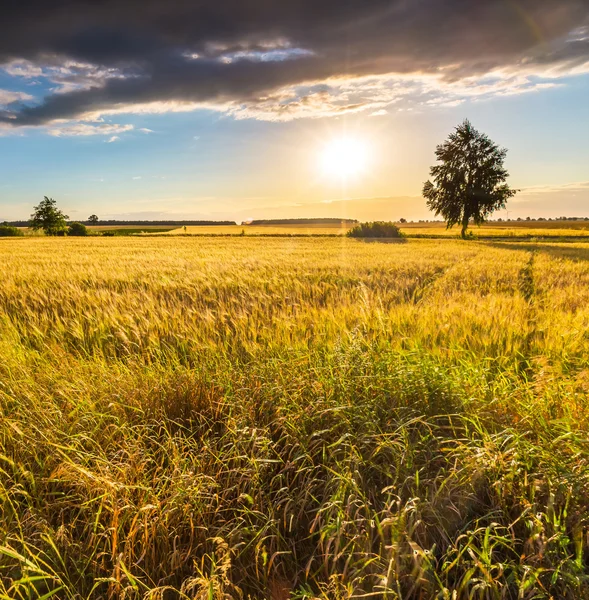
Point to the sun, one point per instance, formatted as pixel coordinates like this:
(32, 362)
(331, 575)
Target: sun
(344, 158)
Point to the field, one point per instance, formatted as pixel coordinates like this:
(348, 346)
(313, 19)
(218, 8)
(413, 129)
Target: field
(274, 230)
(127, 230)
(213, 418)
(556, 229)
(514, 229)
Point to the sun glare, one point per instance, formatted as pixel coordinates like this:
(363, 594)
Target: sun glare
(344, 158)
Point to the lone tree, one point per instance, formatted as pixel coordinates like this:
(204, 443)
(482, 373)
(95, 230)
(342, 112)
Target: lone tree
(92, 220)
(469, 183)
(48, 218)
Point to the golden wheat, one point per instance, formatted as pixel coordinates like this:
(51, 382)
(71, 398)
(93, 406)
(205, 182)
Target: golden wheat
(308, 417)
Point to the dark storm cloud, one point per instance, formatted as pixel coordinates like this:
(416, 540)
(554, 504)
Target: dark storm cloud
(213, 51)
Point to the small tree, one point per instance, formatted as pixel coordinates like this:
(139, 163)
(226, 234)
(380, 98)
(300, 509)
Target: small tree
(48, 218)
(92, 220)
(469, 184)
(77, 229)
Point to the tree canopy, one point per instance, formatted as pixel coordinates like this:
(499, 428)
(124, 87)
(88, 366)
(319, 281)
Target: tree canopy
(48, 217)
(469, 183)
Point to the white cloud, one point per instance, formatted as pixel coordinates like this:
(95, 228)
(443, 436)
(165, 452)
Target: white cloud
(570, 188)
(8, 96)
(375, 94)
(75, 129)
(150, 108)
(114, 138)
(68, 76)
(22, 68)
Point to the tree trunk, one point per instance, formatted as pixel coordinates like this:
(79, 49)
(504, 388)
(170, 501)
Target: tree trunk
(465, 221)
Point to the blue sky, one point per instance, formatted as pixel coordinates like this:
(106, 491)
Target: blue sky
(250, 157)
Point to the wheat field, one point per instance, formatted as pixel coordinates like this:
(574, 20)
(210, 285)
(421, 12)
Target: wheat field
(280, 418)
(513, 229)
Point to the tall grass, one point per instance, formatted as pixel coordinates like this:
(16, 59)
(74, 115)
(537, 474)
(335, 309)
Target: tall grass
(306, 418)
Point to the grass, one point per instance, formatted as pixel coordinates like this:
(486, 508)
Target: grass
(293, 417)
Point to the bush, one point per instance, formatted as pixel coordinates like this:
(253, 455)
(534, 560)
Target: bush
(378, 229)
(9, 231)
(77, 229)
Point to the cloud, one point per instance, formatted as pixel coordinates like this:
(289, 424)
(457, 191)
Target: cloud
(112, 139)
(285, 60)
(8, 97)
(22, 68)
(581, 187)
(84, 129)
(569, 199)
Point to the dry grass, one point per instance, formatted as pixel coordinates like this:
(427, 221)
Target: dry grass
(289, 417)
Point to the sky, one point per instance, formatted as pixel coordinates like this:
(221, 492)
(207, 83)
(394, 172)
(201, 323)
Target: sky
(143, 109)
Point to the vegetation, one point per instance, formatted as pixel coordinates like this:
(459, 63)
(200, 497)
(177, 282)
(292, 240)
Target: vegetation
(469, 184)
(377, 229)
(49, 218)
(93, 220)
(77, 229)
(10, 231)
(181, 419)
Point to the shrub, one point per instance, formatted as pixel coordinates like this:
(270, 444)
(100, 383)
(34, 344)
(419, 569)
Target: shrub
(9, 231)
(377, 229)
(77, 229)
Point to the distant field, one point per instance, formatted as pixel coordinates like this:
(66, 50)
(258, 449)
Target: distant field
(130, 229)
(305, 418)
(117, 229)
(263, 230)
(509, 229)
(512, 229)
(493, 229)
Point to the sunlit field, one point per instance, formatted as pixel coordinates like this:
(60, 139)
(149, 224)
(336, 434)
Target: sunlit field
(489, 230)
(506, 229)
(131, 228)
(212, 418)
(274, 230)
